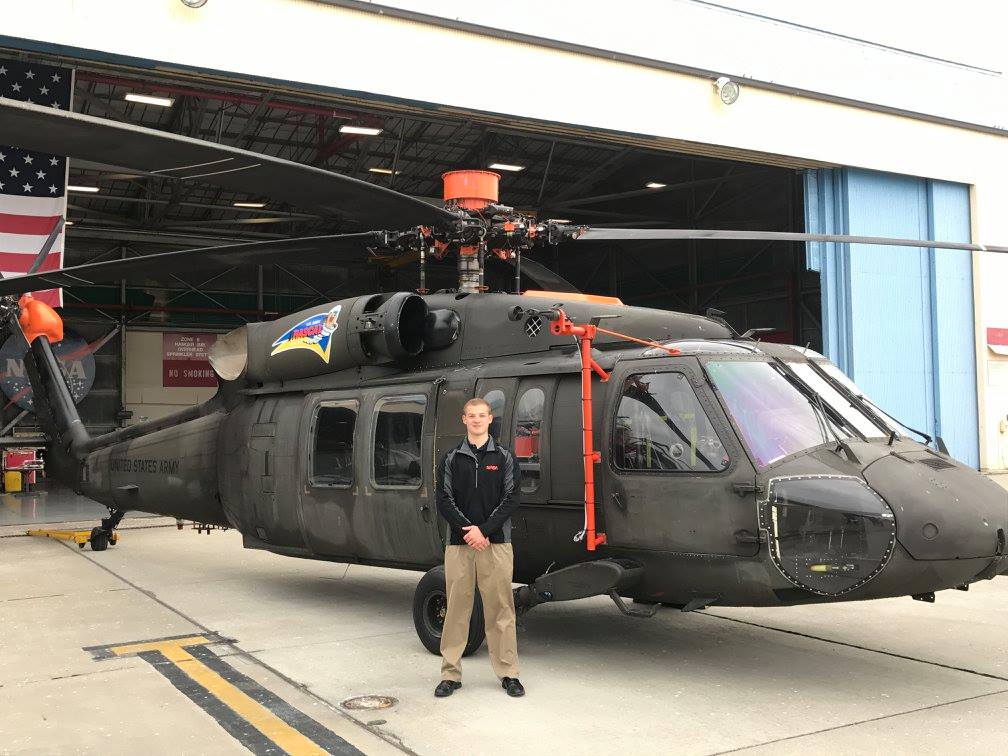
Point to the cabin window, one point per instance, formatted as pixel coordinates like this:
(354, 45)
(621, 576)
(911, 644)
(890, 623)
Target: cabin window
(661, 426)
(332, 453)
(497, 403)
(398, 434)
(527, 437)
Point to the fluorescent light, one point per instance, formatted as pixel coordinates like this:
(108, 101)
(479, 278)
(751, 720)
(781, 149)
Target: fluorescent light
(654, 185)
(385, 171)
(507, 167)
(365, 130)
(558, 220)
(72, 188)
(67, 223)
(249, 204)
(164, 102)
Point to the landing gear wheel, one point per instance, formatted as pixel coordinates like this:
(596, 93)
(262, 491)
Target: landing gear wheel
(99, 539)
(430, 603)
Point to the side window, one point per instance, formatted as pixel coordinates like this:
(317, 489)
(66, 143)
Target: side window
(662, 427)
(497, 404)
(398, 433)
(332, 453)
(528, 424)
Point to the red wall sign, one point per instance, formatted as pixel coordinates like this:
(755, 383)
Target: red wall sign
(997, 336)
(184, 360)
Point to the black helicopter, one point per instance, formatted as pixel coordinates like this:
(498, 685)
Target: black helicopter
(697, 466)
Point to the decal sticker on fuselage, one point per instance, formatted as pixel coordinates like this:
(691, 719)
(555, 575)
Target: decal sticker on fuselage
(314, 334)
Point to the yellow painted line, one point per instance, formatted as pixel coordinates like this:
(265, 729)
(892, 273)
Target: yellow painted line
(270, 725)
(139, 648)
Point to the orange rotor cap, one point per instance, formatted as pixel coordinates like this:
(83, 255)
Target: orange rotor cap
(471, 190)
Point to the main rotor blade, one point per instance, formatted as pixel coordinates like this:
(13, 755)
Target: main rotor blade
(669, 234)
(173, 156)
(340, 249)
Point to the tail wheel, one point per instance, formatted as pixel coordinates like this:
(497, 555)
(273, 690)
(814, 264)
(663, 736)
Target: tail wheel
(430, 604)
(99, 539)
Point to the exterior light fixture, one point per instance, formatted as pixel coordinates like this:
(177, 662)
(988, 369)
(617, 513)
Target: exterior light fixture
(194, 3)
(654, 185)
(507, 167)
(384, 171)
(726, 89)
(164, 102)
(72, 188)
(363, 130)
(248, 204)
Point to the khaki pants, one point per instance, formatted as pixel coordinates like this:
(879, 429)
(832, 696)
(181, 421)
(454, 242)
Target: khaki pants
(492, 570)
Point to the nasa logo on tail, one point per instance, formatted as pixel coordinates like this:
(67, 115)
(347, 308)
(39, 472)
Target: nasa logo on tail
(314, 334)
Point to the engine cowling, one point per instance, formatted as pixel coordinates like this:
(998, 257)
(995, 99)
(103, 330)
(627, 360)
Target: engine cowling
(366, 330)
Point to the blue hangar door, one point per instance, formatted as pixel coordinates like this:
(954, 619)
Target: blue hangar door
(899, 320)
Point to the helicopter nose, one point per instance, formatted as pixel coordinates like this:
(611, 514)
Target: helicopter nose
(943, 510)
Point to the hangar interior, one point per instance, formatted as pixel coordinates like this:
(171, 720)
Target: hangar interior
(566, 173)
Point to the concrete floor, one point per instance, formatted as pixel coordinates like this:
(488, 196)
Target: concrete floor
(51, 504)
(894, 676)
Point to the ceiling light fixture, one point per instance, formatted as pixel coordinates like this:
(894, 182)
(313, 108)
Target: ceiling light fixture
(726, 89)
(67, 223)
(384, 171)
(654, 185)
(248, 204)
(164, 102)
(72, 188)
(507, 167)
(364, 130)
(558, 220)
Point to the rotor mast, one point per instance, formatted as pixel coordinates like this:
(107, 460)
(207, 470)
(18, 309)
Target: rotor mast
(474, 192)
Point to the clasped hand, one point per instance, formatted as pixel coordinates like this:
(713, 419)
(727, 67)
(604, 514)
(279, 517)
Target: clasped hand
(474, 537)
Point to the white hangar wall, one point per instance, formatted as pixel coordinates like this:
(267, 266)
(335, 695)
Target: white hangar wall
(419, 63)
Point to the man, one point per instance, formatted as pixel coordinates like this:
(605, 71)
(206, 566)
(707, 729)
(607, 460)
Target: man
(477, 491)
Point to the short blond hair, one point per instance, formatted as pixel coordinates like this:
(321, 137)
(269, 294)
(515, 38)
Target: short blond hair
(476, 401)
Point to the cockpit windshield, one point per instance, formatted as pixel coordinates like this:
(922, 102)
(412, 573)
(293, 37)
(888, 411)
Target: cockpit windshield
(861, 422)
(840, 377)
(776, 419)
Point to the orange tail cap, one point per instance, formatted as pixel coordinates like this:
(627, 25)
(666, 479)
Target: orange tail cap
(39, 319)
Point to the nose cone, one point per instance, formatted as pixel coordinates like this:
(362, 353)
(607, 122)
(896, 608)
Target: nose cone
(943, 510)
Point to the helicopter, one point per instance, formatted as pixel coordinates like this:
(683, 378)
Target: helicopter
(666, 459)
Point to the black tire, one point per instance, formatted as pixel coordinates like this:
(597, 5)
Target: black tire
(98, 539)
(430, 601)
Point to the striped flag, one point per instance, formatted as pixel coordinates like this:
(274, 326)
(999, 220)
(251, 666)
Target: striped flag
(32, 184)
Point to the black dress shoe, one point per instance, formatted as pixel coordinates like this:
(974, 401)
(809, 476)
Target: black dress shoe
(513, 686)
(446, 687)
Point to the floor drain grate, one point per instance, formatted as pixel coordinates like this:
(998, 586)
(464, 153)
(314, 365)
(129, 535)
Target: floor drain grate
(369, 702)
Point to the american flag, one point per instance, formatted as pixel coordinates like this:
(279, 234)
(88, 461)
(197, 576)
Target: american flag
(32, 184)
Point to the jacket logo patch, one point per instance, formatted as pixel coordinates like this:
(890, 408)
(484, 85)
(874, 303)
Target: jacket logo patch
(491, 467)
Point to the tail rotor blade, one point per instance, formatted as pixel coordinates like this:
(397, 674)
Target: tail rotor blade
(47, 246)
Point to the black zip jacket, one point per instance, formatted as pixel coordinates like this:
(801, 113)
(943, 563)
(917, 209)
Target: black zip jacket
(478, 487)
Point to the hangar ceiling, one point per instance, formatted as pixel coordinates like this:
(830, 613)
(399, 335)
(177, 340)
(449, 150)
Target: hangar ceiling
(597, 179)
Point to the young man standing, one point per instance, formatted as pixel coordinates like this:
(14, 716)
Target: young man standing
(478, 483)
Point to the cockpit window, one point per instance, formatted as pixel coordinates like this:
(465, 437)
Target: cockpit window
(775, 418)
(662, 427)
(835, 399)
(840, 377)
